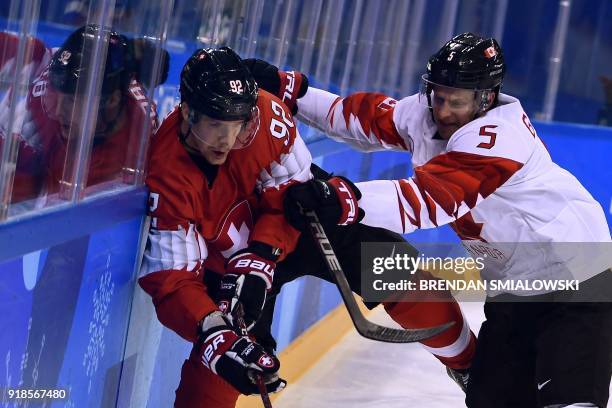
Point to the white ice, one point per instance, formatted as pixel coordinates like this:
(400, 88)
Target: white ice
(361, 373)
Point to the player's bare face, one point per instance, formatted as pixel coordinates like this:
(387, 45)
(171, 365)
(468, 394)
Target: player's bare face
(68, 111)
(452, 109)
(214, 138)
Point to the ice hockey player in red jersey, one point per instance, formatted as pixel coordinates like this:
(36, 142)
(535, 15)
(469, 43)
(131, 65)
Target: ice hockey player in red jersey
(480, 166)
(219, 166)
(50, 119)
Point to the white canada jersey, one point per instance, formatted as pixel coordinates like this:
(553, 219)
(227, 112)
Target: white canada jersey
(493, 180)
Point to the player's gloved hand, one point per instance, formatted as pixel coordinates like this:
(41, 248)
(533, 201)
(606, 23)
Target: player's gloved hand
(289, 86)
(335, 201)
(142, 52)
(247, 280)
(235, 358)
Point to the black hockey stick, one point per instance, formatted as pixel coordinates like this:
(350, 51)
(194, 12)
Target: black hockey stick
(263, 392)
(364, 327)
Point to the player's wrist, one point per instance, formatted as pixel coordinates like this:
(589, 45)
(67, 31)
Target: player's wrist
(213, 319)
(264, 250)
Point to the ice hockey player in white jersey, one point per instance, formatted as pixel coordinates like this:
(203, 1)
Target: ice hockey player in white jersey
(480, 166)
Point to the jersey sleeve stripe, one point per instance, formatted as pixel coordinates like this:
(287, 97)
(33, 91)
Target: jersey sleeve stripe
(400, 206)
(375, 120)
(330, 112)
(294, 165)
(174, 250)
(456, 347)
(440, 192)
(412, 201)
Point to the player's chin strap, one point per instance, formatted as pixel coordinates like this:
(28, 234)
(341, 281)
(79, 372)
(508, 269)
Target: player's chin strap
(183, 136)
(574, 405)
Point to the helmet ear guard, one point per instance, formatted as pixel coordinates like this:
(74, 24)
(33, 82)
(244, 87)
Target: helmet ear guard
(193, 117)
(487, 98)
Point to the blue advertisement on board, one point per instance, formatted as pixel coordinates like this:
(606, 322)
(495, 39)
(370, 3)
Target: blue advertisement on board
(65, 313)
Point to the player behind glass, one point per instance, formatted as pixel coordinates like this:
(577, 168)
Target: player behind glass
(46, 119)
(51, 118)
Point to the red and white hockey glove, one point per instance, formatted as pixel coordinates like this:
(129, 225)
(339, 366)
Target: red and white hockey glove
(247, 280)
(235, 358)
(335, 201)
(289, 86)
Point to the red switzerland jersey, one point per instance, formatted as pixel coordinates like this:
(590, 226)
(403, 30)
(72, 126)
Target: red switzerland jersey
(196, 226)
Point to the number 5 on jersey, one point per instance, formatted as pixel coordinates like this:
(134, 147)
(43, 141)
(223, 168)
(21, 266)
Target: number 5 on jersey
(491, 135)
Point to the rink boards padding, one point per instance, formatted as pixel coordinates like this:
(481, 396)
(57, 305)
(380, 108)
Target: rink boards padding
(67, 283)
(65, 300)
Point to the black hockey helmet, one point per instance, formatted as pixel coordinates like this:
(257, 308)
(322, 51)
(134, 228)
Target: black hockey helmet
(467, 61)
(72, 60)
(217, 83)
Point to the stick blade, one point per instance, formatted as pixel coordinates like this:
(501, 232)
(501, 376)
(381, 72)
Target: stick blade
(391, 335)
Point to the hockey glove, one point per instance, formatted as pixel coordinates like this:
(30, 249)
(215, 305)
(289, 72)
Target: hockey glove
(335, 201)
(235, 358)
(289, 86)
(247, 280)
(142, 52)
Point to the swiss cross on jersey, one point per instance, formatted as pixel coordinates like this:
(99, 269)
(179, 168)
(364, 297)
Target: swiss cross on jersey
(235, 230)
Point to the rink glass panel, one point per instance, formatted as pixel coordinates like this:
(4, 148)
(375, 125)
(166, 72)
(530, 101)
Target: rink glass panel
(72, 145)
(344, 46)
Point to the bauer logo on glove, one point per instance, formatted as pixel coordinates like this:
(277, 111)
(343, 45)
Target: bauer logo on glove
(248, 278)
(235, 357)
